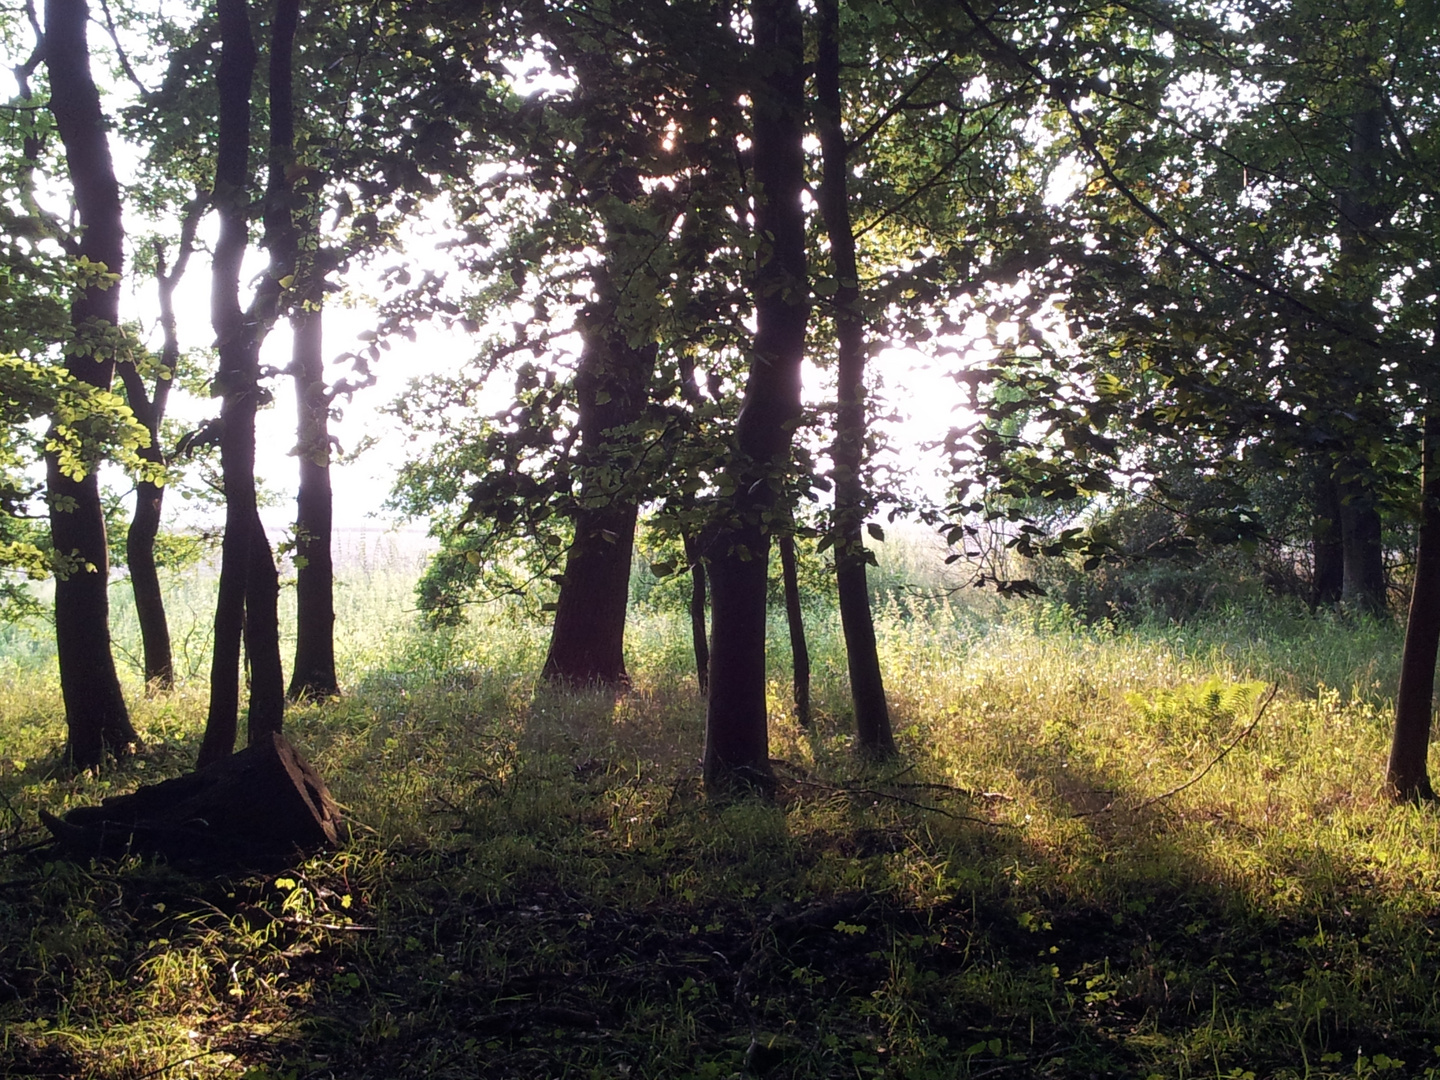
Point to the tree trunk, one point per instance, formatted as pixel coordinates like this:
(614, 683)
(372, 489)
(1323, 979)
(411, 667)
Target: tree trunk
(587, 642)
(314, 674)
(698, 637)
(1407, 775)
(1328, 579)
(736, 734)
(95, 714)
(145, 585)
(1364, 556)
(266, 714)
(867, 684)
(248, 582)
(149, 409)
(1364, 559)
(795, 620)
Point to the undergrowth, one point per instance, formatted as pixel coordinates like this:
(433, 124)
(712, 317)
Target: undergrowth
(535, 885)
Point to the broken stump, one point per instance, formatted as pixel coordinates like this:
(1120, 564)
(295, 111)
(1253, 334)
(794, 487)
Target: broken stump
(262, 804)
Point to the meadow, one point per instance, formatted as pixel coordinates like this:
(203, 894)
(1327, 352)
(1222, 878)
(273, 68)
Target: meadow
(1153, 851)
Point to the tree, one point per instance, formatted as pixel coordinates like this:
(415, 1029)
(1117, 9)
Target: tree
(149, 408)
(1407, 772)
(581, 224)
(867, 687)
(95, 712)
(249, 585)
(736, 731)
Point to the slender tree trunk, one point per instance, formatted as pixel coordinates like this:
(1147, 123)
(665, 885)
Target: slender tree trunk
(262, 641)
(248, 584)
(698, 637)
(795, 621)
(314, 673)
(1329, 574)
(145, 584)
(95, 713)
(737, 747)
(149, 409)
(1407, 775)
(867, 685)
(694, 546)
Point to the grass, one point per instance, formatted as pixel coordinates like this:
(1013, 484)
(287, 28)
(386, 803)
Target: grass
(536, 885)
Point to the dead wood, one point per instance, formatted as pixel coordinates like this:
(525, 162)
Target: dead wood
(262, 804)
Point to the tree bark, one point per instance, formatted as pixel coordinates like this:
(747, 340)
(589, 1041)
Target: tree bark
(867, 684)
(737, 748)
(698, 635)
(694, 546)
(314, 673)
(1364, 557)
(149, 409)
(587, 642)
(1407, 774)
(96, 718)
(1328, 579)
(248, 581)
(795, 621)
(1364, 554)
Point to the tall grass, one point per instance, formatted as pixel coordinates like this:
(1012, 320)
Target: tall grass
(536, 886)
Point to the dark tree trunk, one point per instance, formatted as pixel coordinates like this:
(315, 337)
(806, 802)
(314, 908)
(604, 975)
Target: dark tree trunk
(266, 715)
(587, 643)
(1329, 573)
(95, 714)
(1364, 560)
(867, 684)
(795, 620)
(149, 409)
(694, 546)
(1408, 775)
(314, 674)
(612, 382)
(248, 581)
(698, 636)
(145, 585)
(1364, 555)
(737, 746)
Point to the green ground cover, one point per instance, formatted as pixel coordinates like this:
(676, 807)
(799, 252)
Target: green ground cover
(536, 886)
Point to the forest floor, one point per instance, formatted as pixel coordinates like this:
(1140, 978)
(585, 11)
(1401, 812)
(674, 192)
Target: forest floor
(536, 886)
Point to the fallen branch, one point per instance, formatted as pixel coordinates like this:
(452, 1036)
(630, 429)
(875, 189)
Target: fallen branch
(889, 796)
(1259, 715)
(893, 781)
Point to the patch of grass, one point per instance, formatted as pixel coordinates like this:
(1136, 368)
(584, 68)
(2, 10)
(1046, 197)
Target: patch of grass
(537, 887)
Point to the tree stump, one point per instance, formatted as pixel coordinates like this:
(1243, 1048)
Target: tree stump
(262, 804)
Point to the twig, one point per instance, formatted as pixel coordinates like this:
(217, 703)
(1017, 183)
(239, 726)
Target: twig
(890, 796)
(893, 781)
(1031, 1060)
(1259, 715)
(176, 1065)
(19, 821)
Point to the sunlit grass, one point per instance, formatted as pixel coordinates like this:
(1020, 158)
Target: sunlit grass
(536, 886)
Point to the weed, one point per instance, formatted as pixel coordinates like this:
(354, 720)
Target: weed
(536, 887)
